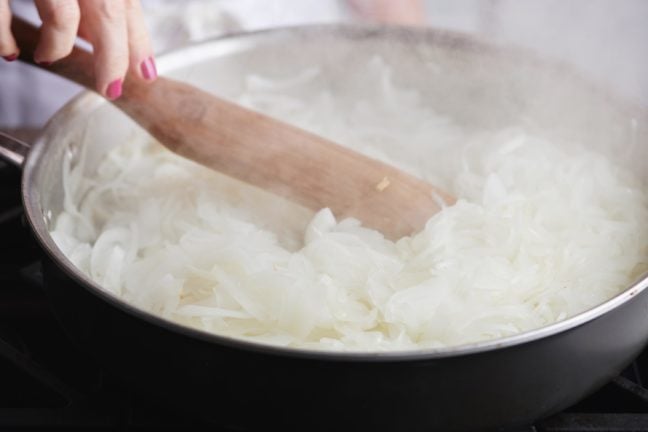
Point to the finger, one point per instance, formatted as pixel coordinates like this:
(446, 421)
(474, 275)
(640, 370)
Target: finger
(58, 33)
(142, 62)
(8, 47)
(408, 12)
(105, 21)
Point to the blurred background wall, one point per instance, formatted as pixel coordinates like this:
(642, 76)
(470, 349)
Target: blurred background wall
(608, 39)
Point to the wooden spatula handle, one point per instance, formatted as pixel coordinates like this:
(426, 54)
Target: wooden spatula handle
(280, 158)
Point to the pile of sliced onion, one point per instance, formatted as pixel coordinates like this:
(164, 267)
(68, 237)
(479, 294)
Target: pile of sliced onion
(540, 232)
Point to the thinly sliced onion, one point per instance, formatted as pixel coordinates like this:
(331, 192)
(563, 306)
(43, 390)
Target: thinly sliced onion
(541, 230)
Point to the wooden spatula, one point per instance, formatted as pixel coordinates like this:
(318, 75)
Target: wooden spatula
(262, 151)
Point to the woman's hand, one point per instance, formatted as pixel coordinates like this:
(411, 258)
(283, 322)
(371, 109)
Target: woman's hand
(402, 12)
(115, 28)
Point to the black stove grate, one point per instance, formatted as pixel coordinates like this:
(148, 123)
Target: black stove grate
(46, 383)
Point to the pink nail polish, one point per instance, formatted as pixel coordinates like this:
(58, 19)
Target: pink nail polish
(114, 89)
(11, 57)
(148, 69)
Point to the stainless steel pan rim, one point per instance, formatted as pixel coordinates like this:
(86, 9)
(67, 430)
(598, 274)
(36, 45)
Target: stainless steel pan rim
(220, 46)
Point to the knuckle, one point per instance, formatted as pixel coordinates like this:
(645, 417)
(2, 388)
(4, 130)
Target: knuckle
(61, 14)
(131, 5)
(138, 38)
(111, 11)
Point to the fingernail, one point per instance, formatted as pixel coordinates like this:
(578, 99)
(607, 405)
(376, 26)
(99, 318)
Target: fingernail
(11, 57)
(45, 63)
(148, 69)
(114, 89)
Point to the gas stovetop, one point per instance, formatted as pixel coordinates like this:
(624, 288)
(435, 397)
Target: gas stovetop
(46, 383)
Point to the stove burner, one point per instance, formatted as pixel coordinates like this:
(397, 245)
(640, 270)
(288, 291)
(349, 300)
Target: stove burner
(49, 384)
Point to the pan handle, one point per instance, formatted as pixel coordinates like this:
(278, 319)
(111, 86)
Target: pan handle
(13, 150)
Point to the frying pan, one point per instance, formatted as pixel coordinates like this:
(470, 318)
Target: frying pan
(244, 385)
